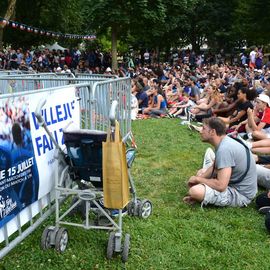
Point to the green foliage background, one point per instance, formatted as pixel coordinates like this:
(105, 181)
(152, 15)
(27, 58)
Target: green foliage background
(145, 23)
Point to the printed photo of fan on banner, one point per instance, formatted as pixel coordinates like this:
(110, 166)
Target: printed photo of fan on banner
(19, 179)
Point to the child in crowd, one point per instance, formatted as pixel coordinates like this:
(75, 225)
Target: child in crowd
(181, 108)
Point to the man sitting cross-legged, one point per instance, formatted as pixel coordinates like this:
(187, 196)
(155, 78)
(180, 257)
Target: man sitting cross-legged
(232, 179)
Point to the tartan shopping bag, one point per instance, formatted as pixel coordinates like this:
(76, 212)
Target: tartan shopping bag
(115, 171)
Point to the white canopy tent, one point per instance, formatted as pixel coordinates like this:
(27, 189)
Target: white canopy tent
(55, 46)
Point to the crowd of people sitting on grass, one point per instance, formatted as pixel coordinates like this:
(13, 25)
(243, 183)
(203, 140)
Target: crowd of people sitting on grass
(219, 101)
(227, 99)
(221, 90)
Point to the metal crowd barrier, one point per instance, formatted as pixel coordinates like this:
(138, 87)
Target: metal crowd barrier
(103, 94)
(15, 84)
(96, 76)
(24, 82)
(21, 83)
(96, 101)
(60, 74)
(15, 72)
(42, 75)
(23, 74)
(16, 81)
(53, 75)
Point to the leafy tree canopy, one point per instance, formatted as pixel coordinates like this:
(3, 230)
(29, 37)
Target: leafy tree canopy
(145, 23)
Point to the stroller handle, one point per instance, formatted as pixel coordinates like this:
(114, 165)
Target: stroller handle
(38, 114)
(112, 114)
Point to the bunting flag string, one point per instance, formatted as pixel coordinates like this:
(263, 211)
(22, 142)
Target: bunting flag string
(35, 30)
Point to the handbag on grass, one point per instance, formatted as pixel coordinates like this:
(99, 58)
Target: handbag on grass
(115, 171)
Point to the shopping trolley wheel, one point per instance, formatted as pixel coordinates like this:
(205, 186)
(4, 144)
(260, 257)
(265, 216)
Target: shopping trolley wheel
(145, 209)
(126, 247)
(45, 242)
(111, 245)
(61, 240)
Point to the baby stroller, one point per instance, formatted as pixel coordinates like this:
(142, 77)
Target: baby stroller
(80, 176)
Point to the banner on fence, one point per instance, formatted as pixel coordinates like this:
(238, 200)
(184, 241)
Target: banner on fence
(27, 154)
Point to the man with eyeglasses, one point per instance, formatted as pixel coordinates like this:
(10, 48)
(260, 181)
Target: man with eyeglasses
(232, 178)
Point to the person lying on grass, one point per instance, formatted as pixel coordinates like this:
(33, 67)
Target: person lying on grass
(219, 185)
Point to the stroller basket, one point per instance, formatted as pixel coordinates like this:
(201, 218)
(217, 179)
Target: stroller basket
(84, 149)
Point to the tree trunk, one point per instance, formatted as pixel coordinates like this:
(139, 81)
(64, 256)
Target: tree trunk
(10, 11)
(114, 48)
(1, 37)
(195, 45)
(157, 54)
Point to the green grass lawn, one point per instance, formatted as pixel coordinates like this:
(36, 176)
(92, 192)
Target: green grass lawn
(176, 236)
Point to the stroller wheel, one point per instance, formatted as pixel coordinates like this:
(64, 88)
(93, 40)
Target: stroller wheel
(111, 245)
(126, 247)
(61, 240)
(145, 209)
(45, 242)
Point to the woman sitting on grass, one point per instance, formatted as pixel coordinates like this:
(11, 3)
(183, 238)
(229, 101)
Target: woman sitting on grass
(173, 92)
(158, 106)
(211, 101)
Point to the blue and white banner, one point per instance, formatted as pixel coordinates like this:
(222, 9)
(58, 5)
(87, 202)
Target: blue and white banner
(27, 154)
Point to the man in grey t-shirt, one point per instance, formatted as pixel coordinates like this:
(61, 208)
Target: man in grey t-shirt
(219, 184)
